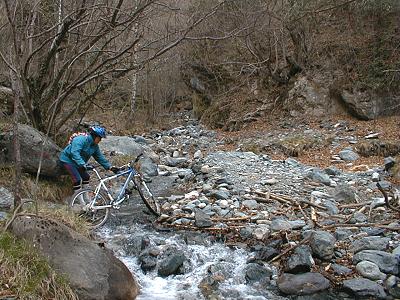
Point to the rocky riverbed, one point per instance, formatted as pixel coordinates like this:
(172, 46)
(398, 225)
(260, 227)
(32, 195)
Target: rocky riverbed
(246, 217)
(306, 230)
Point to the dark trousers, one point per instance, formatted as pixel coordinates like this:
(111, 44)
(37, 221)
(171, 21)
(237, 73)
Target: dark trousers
(79, 176)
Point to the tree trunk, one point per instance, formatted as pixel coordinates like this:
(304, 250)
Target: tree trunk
(16, 144)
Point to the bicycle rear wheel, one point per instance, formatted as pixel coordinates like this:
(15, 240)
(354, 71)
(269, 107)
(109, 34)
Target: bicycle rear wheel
(147, 196)
(80, 201)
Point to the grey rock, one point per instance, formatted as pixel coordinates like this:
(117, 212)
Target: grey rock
(370, 270)
(91, 270)
(301, 261)
(280, 224)
(320, 176)
(266, 253)
(342, 234)
(297, 224)
(176, 161)
(389, 163)
(31, 144)
(257, 273)
(370, 243)
(6, 199)
(250, 204)
(362, 287)
(344, 194)
(171, 262)
(348, 155)
(147, 167)
(220, 195)
(322, 244)
(302, 284)
(393, 286)
(202, 220)
(331, 207)
(332, 171)
(386, 262)
(341, 270)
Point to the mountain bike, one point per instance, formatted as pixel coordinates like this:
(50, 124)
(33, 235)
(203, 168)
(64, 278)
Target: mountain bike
(95, 204)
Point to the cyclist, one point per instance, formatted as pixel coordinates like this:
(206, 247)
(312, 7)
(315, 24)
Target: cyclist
(75, 156)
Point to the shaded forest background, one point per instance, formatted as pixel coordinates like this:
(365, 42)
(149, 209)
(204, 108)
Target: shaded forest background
(132, 63)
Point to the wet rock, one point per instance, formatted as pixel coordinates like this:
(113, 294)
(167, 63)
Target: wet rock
(362, 287)
(370, 243)
(370, 270)
(208, 286)
(386, 262)
(134, 245)
(257, 273)
(148, 259)
(171, 262)
(266, 253)
(302, 284)
(322, 244)
(301, 261)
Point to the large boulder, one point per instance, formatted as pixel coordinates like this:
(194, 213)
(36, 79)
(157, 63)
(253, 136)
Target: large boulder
(93, 271)
(311, 97)
(367, 104)
(31, 141)
(125, 145)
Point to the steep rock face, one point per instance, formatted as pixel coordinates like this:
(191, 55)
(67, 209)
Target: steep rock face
(316, 96)
(311, 96)
(31, 141)
(93, 271)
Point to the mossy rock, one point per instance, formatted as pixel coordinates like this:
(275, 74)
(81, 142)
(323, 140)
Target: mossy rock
(216, 116)
(396, 168)
(200, 104)
(298, 144)
(378, 148)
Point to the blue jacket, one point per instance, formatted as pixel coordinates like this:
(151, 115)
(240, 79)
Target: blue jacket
(79, 151)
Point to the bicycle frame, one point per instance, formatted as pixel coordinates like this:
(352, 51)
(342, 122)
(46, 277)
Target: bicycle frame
(130, 173)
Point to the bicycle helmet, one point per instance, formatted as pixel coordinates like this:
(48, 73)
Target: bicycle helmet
(98, 131)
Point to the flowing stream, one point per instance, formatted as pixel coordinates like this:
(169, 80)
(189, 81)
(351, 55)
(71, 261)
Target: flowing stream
(231, 262)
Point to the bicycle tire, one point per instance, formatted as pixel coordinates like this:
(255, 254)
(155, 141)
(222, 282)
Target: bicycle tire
(147, 196)
(82, 198)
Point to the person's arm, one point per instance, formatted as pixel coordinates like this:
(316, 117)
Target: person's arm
(99, 157)
(76, 148)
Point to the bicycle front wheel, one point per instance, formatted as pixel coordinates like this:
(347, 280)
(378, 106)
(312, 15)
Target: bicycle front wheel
(80, 203)
(147, 196)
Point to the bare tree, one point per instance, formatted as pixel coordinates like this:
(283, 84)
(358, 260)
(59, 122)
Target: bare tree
(70, 52)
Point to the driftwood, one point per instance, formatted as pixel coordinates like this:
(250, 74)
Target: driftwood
(285, 199)
(288, 250)
(377, 225)
(387, 198)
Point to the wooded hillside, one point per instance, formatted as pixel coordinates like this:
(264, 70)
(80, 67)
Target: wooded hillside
(228, 60)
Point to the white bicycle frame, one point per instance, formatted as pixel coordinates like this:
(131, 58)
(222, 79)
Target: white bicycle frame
(121, 196)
